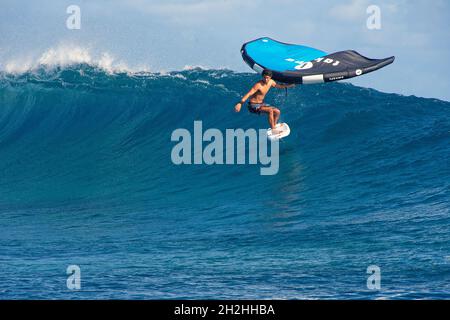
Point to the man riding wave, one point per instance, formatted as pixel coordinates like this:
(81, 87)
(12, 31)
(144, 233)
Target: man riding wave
(257, 93)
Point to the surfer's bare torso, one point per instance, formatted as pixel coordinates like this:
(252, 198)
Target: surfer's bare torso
(261, 88)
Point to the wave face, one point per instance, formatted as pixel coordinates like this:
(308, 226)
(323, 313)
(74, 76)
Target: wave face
(87, 179)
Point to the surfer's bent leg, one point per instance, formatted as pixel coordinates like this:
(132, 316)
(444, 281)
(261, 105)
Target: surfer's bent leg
(276, 115)
(271, 113)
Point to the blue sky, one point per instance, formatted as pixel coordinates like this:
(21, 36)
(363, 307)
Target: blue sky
(164, 35)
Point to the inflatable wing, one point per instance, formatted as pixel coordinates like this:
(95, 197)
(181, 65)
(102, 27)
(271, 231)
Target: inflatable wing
(291, 63)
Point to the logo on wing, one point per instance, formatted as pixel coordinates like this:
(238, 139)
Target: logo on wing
(302, 65)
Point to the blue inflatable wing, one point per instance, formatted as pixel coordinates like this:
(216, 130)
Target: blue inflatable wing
(292, 63)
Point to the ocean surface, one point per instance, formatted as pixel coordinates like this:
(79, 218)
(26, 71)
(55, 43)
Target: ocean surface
(86, 179)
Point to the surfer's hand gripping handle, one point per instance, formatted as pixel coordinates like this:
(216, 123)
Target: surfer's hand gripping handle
(284, 86)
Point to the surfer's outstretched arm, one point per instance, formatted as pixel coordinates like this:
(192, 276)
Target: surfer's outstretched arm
(283, 86)
(252, 91)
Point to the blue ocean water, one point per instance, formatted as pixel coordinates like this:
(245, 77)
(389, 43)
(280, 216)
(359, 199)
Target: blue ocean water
(86, 179)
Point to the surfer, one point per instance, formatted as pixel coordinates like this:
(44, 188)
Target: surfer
(257, 93)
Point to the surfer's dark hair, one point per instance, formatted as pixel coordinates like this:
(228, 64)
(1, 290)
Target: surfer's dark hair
(267, 73)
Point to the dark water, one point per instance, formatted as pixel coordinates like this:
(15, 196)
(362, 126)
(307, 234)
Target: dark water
(86, 178)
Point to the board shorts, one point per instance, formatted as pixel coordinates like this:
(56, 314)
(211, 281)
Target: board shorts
(255, 107)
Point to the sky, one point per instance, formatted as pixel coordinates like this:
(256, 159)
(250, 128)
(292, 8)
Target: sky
(167, 35)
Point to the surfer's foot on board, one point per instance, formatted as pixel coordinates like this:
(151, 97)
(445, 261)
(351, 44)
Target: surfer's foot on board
(276, 128)
(276, 131)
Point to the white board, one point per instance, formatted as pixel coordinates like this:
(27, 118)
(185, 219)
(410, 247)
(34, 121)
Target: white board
(282, 130)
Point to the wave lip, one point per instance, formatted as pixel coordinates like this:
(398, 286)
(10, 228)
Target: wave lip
(65, 55)
(71, 55)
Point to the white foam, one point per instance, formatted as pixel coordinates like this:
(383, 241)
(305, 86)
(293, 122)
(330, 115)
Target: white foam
(66, 55)
(18, 65)
(179, 76)
(202, 82)
(189, 67)
(201, 67)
